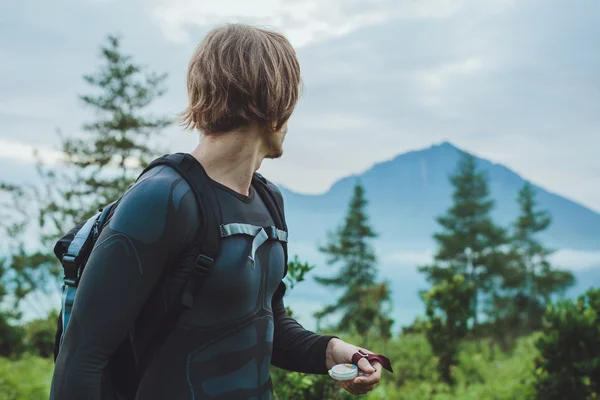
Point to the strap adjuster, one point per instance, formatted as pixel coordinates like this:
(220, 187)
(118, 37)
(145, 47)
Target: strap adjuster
(203, 265)
(271, 232)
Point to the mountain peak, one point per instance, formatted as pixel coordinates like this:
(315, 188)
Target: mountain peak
(434, 150)
(444, 146)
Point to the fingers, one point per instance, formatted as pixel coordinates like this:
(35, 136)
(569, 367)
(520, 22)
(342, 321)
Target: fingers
(363, 384)
(364, 366)
(372, 378)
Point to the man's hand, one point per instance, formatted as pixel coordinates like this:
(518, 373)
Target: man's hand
(340, 352)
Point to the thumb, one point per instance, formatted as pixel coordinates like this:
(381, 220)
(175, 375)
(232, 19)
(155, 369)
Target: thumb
(365, 366)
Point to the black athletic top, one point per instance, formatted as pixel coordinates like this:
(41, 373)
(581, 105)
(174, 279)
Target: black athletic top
(223, 346)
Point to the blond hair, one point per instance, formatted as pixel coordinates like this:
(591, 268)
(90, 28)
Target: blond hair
(241, 74)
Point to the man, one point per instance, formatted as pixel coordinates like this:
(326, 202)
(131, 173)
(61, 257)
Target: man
(243, 85)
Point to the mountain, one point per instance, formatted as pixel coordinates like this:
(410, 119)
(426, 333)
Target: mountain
(405, 195)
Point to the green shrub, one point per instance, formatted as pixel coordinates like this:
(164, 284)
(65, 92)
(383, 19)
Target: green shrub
(26, 379)
(484, 372)
(298, 386)
(40, 335)
(569, 361)
(11, 338)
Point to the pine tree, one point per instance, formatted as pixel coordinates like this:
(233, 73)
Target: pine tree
(364, 304)
(470, 244)
(97, 167)
(538, 280)
(101, 164)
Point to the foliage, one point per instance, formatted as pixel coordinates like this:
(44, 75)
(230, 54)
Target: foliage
(296, 272)
(364, 304)
(569, 361)
(300, 386)
(448, 308)
(481, 373)
(40, 335)
(11, 338)
(26, 379)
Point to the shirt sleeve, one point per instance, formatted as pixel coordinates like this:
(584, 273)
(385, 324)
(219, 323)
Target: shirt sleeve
(154, 222)
(295, 348)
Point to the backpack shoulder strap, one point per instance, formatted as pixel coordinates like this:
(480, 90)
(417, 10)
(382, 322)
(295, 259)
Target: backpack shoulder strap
(207, 239)
(205, 247)
(273, 199)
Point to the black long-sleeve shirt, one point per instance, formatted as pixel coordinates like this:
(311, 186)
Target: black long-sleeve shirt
(223, 346)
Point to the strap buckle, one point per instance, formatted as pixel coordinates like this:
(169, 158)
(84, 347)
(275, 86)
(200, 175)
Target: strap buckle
(71, 268)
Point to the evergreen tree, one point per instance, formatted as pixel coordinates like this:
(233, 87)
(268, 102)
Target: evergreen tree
(470, 244)
(364, 304)
(97, 167)
(538, 280)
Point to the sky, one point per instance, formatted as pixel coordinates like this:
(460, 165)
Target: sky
(517, 82)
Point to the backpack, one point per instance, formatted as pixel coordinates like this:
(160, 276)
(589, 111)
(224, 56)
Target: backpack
(74, 249)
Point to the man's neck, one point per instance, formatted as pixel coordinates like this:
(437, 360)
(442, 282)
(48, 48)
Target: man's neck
(231, 158)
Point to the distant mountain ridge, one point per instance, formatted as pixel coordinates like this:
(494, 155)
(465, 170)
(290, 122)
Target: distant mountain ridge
(406, 194)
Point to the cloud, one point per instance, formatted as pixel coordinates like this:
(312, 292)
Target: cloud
(569, 259)
(303, 22)
(575, 260)
(308, 21)
(18, 151)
